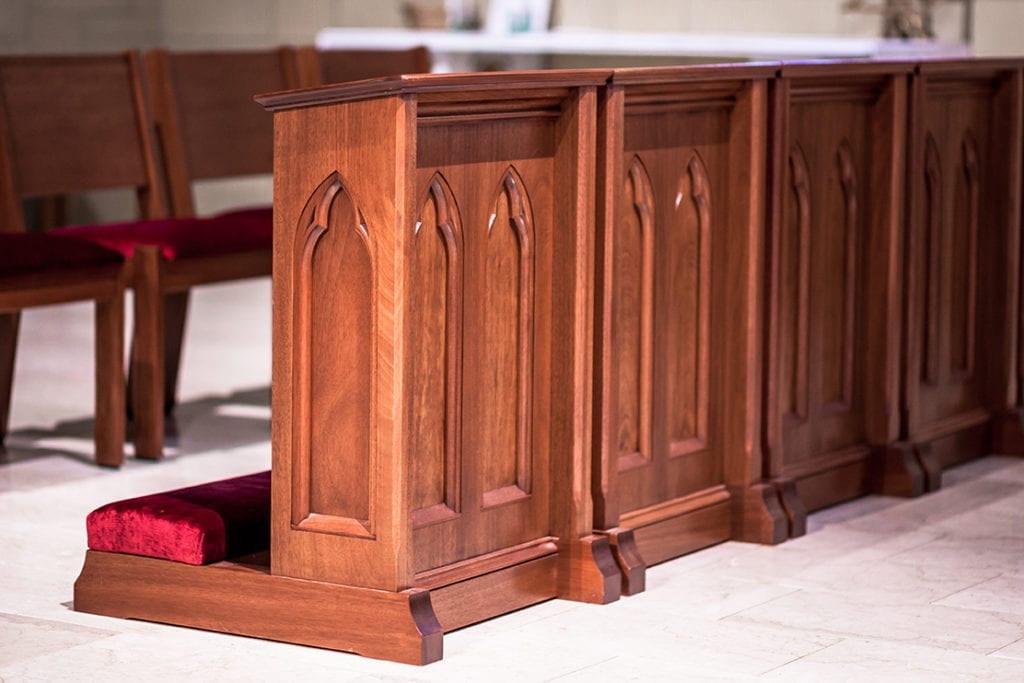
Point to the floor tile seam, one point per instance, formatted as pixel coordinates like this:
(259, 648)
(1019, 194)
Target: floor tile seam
(916, 639)
(803, 656)
(967, 588)
(582, 668)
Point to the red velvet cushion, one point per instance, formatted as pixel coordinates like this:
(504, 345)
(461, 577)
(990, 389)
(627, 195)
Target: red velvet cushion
(233, 232)
(22, 253)
(196, 525)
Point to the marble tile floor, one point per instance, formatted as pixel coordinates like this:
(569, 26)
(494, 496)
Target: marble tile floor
(930, 589)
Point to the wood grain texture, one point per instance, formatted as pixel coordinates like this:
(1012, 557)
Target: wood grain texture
(963, 244)
(834, 311)
(678, 307)
(247, 600)
(457, 247)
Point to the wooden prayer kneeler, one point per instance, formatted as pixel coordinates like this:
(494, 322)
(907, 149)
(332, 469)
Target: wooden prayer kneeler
(433, 259)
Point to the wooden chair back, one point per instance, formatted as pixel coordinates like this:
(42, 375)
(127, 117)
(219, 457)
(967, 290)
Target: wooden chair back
(72, 124)
(207, 122)
(319, 67)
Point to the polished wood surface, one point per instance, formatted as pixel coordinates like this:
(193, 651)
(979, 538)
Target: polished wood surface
(834, 313)
(244, 598)
(447, 246)
(536, 331)
(963, 261)
(681, 222)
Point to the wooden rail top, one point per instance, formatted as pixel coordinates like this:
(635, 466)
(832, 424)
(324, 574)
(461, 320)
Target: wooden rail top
(459, 85)
(472, 85)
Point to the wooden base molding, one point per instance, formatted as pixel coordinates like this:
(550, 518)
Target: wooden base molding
(242, 597)
(953, 448)
(245, 599)
(680, 526)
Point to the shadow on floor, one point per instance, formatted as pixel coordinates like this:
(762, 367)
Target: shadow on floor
(209, 423)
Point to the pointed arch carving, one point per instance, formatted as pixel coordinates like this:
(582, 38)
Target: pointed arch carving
(972, 178)
(801, 188)
(932, 252)
(332, 378)
(437, 296)
(848, 181)
(636, 409)
(689, 432)
(512, 213)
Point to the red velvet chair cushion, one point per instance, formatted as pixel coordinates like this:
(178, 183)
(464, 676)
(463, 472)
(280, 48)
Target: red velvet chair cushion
(228, 233)
(195, 525)
(22, 253)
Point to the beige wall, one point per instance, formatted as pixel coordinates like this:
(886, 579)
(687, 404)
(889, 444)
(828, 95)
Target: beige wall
(93, 25)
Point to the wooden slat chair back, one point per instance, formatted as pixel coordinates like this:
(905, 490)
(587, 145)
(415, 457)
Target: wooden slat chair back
(70, 124)
(207, 127)
(73, 124)
(320, 67)
(208, 124)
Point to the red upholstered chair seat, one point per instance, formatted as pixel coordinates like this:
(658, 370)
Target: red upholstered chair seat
(22, 253)
(195, 525)
(231, 232)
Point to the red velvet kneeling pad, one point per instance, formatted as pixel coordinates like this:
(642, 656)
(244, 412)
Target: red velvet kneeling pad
(196, 525)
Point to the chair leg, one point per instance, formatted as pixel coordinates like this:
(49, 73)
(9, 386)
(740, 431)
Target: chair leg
(110, 399)
(175, 311)
(8, 346)
(147, 362)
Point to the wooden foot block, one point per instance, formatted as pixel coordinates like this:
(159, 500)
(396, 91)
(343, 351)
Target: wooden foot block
(796, 513)
(931, 467)
(897, 471)
(630, 561)
(587, 571)
(248, 600)
(758, 515)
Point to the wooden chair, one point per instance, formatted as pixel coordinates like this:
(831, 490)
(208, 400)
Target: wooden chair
(40, 270)
(208, 127)
(319, 67)
(82, 123)
(44, 109)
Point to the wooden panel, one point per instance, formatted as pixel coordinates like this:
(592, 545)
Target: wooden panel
(634, 323)
(675, 311)
(833, 343)
(498, 412)
(336, 433)
(435, 309)
(962, 233)
(669, 212)
(508, 343)
(334, 387)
